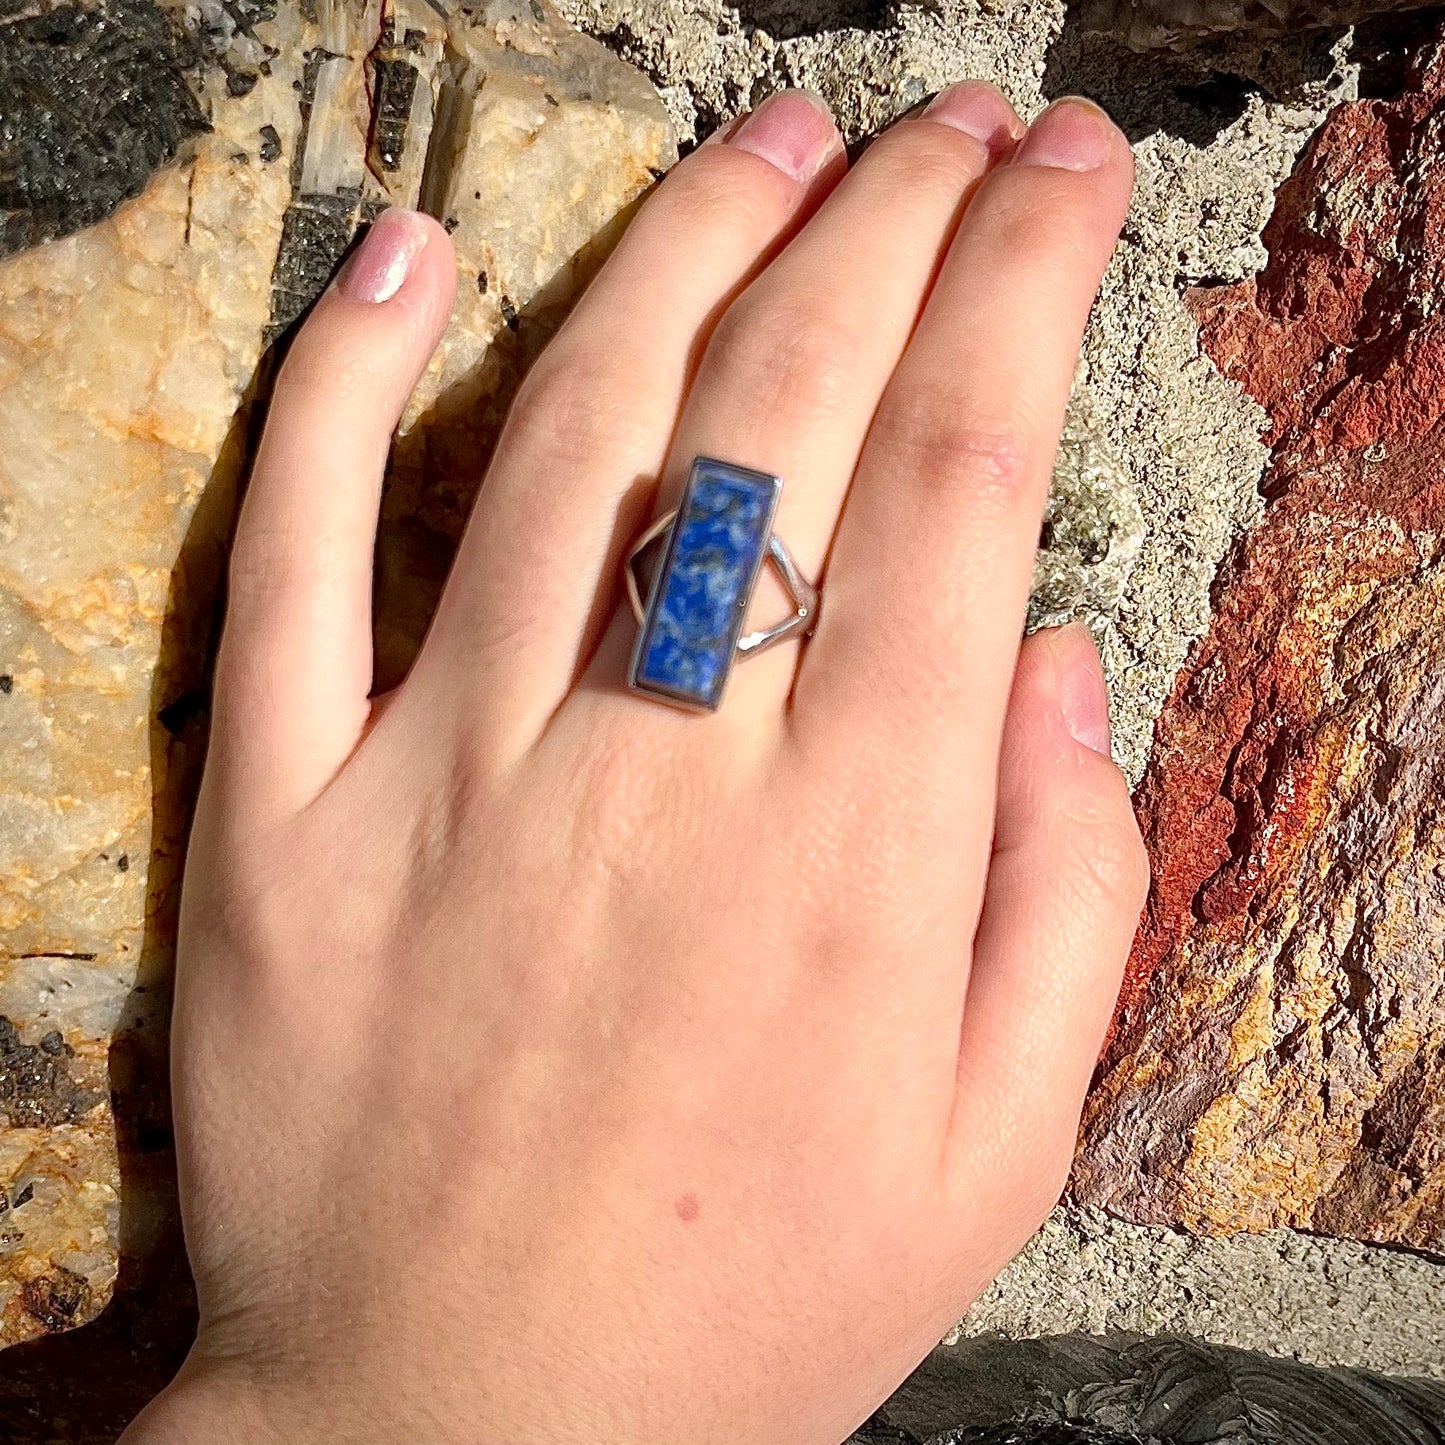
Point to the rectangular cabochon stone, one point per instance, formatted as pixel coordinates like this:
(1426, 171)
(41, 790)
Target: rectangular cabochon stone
(695, 613)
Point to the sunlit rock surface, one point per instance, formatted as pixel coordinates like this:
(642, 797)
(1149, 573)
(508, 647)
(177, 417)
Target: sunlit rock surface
(1280, 1056)
(128, 353)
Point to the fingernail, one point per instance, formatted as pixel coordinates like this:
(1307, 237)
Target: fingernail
(979, 110)
(1083, 693)
(792, 130)
(1071, 135)
(377, 269)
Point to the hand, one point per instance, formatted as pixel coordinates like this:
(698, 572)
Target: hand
(554, 1066)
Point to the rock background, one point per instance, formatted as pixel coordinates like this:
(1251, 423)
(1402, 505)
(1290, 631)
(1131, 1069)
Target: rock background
(1296, 736)
(1279, 1055)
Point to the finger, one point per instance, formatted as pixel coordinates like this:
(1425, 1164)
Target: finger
(1065, 888)
(294, 668)
(930, 572)
(797, 365)
(576, 467)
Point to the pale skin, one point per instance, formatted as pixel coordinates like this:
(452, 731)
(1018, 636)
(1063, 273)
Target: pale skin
(551, 1065)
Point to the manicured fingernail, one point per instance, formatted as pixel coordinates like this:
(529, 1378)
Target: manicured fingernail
(979, 110)
(379, 266)
(1083, 693)
(793, 130)
(1071, 135)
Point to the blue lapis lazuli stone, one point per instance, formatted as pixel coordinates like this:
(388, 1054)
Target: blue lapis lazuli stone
(695, 614)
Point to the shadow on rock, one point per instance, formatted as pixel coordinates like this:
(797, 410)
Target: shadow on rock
(1195, 94)
(785, 19)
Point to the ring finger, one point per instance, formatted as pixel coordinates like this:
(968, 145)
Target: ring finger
(573, 470)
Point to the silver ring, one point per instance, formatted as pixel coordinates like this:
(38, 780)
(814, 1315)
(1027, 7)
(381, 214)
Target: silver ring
(704, 561)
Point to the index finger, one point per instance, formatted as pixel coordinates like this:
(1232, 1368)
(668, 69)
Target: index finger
(928, 581)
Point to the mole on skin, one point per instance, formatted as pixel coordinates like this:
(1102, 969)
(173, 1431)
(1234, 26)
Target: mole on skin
(687, 1208)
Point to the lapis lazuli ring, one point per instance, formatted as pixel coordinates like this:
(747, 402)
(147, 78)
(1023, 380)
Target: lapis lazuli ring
(701, 564)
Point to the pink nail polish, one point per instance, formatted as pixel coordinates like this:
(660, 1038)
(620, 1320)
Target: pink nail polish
(379, 266)
(1083, 693)
(792, 130)
(1071, 135)
(979, 110)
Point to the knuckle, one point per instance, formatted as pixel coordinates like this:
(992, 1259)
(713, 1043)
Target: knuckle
(938, 437)
(272, 568)
(791, 349)
(924, 160)
(1109, 858)
(325, 370)
(263, 568)
(720, 189)
(1034, 213)
(568, 412)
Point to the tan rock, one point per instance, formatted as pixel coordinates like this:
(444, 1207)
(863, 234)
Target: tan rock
(127, 354)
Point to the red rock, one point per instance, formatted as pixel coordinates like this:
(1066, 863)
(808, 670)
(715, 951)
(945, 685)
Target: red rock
(1279, 1053)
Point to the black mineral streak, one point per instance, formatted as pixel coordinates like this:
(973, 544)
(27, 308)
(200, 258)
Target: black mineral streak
(509, 314)
(391, 111)
(270, 143)
(36, 1087)
(240, 82)
(315, 232)
(481, 286)
(317, 228)
(7, 684)
(92, 103)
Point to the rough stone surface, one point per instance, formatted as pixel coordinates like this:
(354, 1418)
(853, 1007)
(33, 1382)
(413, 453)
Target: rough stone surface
(1279, 1056)
(128, 353)
(1124, 1390)
(1322, 1301)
